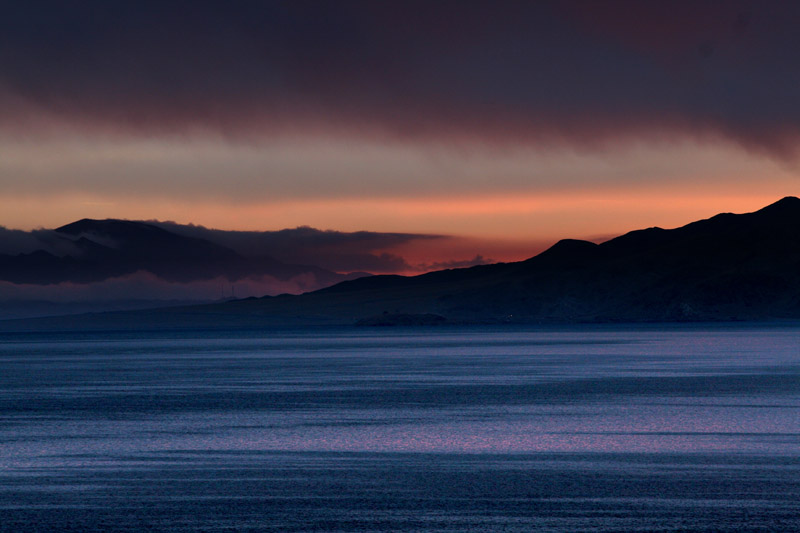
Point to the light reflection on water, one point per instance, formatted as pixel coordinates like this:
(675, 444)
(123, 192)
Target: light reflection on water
(582, 428)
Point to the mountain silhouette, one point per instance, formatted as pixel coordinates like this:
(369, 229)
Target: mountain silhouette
(728, 267)
(102, 249)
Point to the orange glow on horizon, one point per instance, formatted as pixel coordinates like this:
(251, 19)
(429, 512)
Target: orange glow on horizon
(435, 215)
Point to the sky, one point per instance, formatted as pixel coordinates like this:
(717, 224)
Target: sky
(504, 126)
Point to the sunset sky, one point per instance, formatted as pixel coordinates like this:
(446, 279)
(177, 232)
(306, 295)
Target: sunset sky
(509, 125)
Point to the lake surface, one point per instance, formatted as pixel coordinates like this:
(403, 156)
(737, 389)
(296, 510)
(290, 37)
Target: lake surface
(451, 429)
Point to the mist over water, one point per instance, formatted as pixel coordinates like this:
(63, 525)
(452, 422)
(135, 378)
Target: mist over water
(452, 429)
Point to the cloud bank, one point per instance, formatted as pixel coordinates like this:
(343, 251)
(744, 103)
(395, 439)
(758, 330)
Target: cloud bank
(576, 73)
(292, 260)
(365, 251)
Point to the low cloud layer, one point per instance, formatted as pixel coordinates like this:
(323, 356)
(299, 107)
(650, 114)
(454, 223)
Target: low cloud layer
(98, 265)
(575, 72)
(360, 251)
(88, 252)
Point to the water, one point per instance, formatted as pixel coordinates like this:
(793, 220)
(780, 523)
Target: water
(448, 429)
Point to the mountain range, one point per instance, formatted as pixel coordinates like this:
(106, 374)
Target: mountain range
(728, 267)
(97, 250)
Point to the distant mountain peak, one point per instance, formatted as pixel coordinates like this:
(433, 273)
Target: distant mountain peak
(109, 226)
(784, 205)
(793, 200)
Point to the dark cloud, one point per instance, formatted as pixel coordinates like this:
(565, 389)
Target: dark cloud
(364, 251)
(575, 72)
